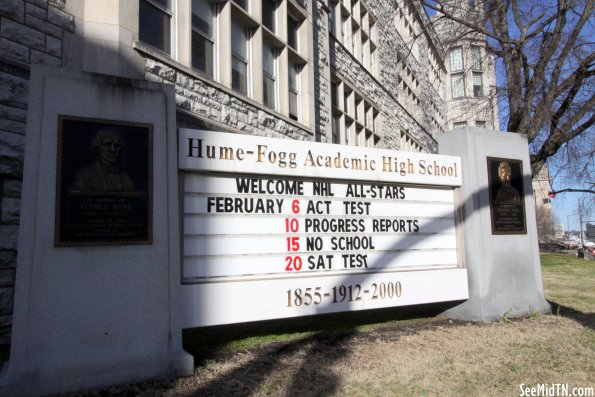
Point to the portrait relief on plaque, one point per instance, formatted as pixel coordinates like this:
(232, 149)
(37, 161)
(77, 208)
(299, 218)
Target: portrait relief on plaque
(507, 203)
(104, 182)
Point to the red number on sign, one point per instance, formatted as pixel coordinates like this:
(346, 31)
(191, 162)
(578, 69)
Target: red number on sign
(291, 225)
(293, 243)
(293, 263)
(295, 206)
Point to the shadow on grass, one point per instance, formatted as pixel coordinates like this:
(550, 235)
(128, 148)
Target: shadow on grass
(319, 341)
(585, 319)
(207, 343)
(317, 351)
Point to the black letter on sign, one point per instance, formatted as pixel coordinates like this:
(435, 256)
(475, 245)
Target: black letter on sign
(192, 147)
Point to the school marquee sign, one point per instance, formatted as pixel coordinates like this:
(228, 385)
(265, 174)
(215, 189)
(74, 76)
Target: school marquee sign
(276, 228)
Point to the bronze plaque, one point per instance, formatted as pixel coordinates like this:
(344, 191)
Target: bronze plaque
(507, 203)
(104, 182)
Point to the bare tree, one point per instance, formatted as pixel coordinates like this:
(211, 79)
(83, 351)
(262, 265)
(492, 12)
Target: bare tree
(545, 223)
(546, 51)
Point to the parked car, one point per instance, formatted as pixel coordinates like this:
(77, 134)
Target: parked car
(571, 244)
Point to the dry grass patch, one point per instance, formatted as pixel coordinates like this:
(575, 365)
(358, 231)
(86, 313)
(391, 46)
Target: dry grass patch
(446, 359)
(476, 359)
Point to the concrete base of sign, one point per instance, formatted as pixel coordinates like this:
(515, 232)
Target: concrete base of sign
(504, 271)
(91, 316)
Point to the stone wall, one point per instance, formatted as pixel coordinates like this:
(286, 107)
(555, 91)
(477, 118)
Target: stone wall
(31, 32)
(383, 89)
(219, 105)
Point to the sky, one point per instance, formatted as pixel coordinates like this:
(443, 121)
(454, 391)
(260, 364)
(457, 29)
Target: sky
(565, 208)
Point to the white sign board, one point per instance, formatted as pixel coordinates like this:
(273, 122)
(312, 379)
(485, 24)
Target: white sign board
(276, 228)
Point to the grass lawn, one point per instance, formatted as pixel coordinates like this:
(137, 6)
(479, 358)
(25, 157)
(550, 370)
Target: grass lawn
(569, 282)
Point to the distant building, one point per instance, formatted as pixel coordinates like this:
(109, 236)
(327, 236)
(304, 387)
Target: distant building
(470, 71)
(559, 231)
(543, 205)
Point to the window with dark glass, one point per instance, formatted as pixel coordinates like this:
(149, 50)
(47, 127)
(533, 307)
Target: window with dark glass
(353, 40)
(335, 94)
(269, 15)
(294, 70)
(293, 27)
(332, 17)
(336, 122)
(202, 36)
(475, 58)
(346, 100)
(242, 3)
(336, 128)
(155, 23)
(477, 85)
(269, 76)
(457, 82)
(239, 58)
(456, 60)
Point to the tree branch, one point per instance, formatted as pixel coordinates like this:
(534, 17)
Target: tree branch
(573, 191)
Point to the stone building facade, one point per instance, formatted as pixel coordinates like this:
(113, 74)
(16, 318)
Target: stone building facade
(470, 81)
(351, 72)
(31, 32)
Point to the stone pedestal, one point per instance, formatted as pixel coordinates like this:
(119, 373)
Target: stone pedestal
(503, 269)
(93, 315)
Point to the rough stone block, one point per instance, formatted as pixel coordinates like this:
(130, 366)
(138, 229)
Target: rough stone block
(11, 187)
(7, 277)
(6, 300)
(152, 66)
(39, 3)
(5, 322)
(38, 57)
(11, 167)
(61, 19)
(43, 26)
(36, 11)
(13, 90)
(14, 9)
(8, 237)
(8, 258)
(58, 3)
(151, 77)
(167, 73)
(22, 34)
(183, 80)
(5, 334)
(182, 102)
(11, 144)
(12, 113)
(14, 50)
(53, 46)
(10, 210)
(11, 155)
(15, 127)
